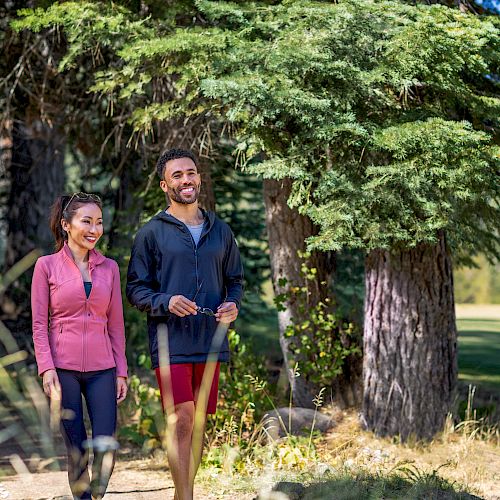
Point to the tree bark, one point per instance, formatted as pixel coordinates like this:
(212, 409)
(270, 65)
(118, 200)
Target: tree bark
(207, 196)
(287, 231)
(37, 176)
(410, 341)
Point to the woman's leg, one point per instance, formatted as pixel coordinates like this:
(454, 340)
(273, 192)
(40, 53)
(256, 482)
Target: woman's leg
(73, 431)
(100, 393)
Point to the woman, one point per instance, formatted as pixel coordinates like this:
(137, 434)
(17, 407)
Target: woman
(78, 331)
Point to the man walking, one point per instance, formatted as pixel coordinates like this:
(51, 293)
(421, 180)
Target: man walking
(185, 272)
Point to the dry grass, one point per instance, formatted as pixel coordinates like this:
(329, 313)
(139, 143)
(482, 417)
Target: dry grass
(460, 457)
(465, 455)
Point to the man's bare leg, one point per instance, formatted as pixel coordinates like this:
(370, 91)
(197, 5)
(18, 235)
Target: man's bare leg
(197, 447)
(179, 452)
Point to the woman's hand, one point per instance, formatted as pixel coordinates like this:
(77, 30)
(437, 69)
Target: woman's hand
(121, 389)
(51, 385)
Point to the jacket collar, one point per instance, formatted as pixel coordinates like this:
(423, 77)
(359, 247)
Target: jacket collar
(95, 257)
(207, 215)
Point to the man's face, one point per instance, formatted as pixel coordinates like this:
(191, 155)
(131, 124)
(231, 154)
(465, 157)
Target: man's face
(181, 181)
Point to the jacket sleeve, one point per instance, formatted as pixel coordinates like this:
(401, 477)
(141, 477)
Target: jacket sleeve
(40, 294)
(142, 287)
(116, 326)
(233, 271)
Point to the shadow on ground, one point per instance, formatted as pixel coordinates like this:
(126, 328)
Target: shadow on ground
(428, 487)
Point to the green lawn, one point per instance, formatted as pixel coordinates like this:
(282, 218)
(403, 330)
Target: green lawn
(479, 352)
(478, 342)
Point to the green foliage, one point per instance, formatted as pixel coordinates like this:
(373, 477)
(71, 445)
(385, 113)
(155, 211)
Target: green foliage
(238, 399)
(384, 114)
(142, 415)
(319, 338)
(406, 482)
(363, 104)
(432, 176)
(84, 23)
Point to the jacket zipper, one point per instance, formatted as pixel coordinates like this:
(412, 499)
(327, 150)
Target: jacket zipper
(84, 344)
(195, 250)
(85, 313)
(195, 247)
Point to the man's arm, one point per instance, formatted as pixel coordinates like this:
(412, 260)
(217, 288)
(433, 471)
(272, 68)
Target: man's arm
(233, 271)
(142, 287)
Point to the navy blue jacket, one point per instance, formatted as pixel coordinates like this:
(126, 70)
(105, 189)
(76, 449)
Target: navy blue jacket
(165, 262)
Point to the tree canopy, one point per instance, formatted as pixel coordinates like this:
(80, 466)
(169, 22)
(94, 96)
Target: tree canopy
(385, 115)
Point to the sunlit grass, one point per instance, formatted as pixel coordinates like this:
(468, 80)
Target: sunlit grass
(479, 351)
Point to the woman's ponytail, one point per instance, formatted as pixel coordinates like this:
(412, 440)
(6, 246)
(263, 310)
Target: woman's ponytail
(56, 214)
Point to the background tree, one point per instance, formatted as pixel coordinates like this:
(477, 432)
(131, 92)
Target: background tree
(33, 144)
(107, 154)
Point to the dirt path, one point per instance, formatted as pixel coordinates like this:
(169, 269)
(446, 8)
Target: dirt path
(132, 480)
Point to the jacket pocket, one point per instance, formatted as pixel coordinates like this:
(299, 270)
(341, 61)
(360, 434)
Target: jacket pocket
(107, 342)
(59, 340)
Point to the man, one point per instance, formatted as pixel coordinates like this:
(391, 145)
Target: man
(185, 272)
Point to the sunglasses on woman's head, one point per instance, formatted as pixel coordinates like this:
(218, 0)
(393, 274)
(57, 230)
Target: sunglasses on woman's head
(82, 197)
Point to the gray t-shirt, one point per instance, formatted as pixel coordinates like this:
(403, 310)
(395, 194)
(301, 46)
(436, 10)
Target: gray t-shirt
(195, 232)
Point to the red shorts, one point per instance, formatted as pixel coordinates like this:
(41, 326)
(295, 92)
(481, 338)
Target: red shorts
(181, 383)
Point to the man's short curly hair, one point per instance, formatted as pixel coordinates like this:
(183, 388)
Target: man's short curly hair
(173, 154)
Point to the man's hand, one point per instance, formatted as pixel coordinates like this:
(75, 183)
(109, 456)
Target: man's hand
(227, 312)
(180, 306)
(121, 389)
(51, 385)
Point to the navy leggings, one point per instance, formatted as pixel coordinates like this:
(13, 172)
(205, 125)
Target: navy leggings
(99, 390)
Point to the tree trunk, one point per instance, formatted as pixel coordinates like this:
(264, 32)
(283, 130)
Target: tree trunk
(36, 176)
(207, 197)
(410, 341)
(287, 230)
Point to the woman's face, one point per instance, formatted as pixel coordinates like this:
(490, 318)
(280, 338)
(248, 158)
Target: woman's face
(85, 227)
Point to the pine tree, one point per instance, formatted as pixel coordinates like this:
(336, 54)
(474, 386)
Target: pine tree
(384, 116)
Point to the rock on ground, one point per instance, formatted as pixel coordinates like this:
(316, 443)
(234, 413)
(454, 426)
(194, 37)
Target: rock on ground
(277, 422)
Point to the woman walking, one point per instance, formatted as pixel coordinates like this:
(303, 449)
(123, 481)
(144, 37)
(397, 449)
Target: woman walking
(78, 331)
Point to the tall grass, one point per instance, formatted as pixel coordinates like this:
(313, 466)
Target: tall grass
(473, 426)
(26, 419)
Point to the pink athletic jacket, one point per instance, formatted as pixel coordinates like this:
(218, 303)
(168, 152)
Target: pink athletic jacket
(69, 330)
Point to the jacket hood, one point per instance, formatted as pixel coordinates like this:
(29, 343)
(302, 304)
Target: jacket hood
(95, 257)
(207, 215)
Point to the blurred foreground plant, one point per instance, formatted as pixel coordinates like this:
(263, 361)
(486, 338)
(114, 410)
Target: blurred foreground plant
(26, 421)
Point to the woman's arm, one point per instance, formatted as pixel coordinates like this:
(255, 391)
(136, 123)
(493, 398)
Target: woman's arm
(116, 327)
(40, 312)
